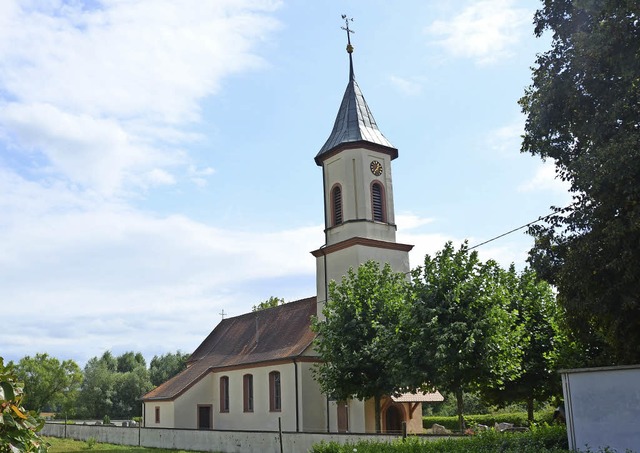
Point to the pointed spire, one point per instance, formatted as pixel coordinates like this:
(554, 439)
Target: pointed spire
(354, 122)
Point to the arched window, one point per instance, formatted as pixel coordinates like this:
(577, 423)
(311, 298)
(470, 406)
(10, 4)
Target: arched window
(275, 392)
(336, 205)
(247, 392)
(224, 394)
(377, 202)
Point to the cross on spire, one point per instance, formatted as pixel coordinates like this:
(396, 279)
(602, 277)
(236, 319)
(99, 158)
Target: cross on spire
(349, 46)
(222, 313)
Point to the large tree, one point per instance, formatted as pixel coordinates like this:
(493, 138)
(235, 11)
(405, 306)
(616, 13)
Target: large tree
(583, 112)
(359, 338)
(541, 342)
(164, 367)
(463, 334)
(97, 392)
(113, 385)
(49, 383)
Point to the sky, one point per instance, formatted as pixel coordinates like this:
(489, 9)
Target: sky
(156, 156)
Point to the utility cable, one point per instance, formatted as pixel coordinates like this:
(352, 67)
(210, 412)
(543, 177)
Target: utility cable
(540, 219)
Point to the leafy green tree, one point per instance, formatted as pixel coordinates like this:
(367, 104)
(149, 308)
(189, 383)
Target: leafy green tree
(128, 388)
(164, 367)
(113, 385)
(269, 303)
(582, 111)
(97, 391)
(359, 338)
(18, 428)
(129, 361)
(539, 319)
(49, 383)
(463, 336)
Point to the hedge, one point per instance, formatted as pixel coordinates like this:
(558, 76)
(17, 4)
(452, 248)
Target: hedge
(517, 418)
(549, 439)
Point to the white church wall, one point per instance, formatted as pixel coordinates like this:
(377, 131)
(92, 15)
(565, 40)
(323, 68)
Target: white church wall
(339, 262)
(261, 418)
(186, 405)
(350, 169)
(166, 414)
(314, 411)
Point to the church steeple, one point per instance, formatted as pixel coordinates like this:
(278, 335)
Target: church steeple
(354, 122)
(358, 192)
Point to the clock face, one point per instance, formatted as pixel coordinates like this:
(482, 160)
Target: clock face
(376, 168)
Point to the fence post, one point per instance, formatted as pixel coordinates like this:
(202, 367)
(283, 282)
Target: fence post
(404, 430)
(280, 433)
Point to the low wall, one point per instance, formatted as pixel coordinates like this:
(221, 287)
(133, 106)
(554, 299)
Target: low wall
(217, 441)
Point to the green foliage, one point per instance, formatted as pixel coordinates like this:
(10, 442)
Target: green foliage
(473, 404)
(106, 390)
(49, 383)
(164, 367)
(542, 440)
(91, 442)
(360, 338)
(269, 303)
(463, 334)
(18, 428)
(582, 111)
(537, 315)
(130, 361)
(517, 418)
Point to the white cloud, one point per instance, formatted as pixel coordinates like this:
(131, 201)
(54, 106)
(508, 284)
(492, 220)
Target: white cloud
(545, 179)
(506, 140)
(89, 269)
(406, 86)
(486, 31)
(102, 93)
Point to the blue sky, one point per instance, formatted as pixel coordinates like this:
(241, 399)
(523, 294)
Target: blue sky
(156, 157)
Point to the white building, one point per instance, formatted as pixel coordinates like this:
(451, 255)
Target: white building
(257, 368)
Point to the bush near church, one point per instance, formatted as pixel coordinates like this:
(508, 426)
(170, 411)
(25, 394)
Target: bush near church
(517, 418)
(549, 439)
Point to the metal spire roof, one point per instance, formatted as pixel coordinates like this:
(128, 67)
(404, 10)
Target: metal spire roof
(354, 122)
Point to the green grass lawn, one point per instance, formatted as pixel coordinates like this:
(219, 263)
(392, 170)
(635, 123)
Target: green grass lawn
(67, 445)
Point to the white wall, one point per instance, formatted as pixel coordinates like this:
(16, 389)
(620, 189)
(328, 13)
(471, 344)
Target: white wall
(167, 418)
(261, 418)
(206, 440)
(186, 405)
(313, 413)
(603, 407)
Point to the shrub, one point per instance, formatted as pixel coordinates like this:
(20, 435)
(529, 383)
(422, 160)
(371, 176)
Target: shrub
(538, 440)
(18, 428)
(517, 418)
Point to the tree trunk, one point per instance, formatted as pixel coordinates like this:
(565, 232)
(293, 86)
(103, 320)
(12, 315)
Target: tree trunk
(376, 402)
(460, 406)
(530, 410)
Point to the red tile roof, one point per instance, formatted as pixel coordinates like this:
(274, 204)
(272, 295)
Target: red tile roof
(279, 333)
(420, 397)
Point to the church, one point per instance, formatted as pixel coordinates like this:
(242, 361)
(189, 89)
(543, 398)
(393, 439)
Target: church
(255, 371)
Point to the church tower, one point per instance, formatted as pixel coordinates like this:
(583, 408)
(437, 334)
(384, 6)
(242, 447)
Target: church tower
(358, 193)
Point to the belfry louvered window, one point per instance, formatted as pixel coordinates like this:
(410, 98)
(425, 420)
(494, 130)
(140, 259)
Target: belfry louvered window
(336, 204)
(377, 202)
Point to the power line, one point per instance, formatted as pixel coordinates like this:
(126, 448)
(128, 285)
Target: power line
(540, 219)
